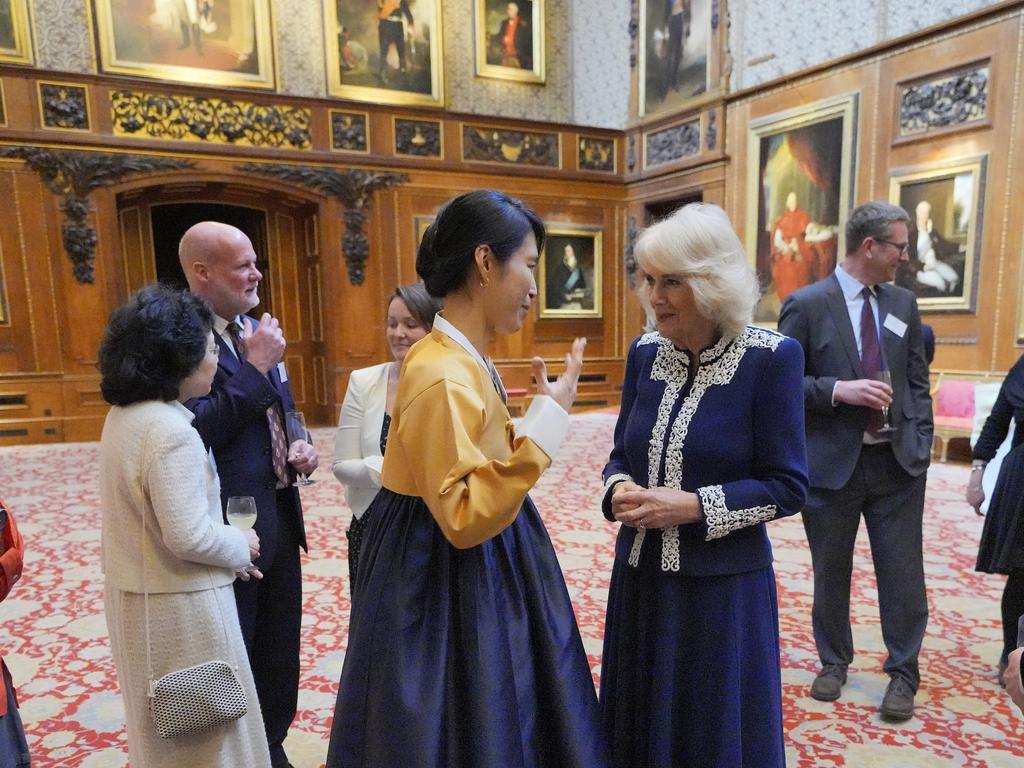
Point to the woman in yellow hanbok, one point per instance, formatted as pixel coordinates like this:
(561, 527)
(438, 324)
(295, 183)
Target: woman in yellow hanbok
(463, 647)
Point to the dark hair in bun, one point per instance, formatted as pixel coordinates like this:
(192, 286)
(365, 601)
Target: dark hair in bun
(480, 217)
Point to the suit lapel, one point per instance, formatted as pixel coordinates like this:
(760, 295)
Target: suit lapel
(227, 358)
(841, 317)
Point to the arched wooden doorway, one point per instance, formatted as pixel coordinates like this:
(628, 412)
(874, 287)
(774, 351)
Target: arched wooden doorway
(283, 230)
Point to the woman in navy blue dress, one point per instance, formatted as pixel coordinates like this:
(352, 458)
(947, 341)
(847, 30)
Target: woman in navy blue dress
(709, 445)
(463, 648)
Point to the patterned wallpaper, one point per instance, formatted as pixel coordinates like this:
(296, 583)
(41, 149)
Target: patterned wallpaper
(62, 38)
(552, 102)
(601, 75)
(766, 43)
(301, 61)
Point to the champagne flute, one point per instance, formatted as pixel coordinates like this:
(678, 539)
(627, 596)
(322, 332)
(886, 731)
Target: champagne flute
(886, 378)
(241, 514)
(295, 427)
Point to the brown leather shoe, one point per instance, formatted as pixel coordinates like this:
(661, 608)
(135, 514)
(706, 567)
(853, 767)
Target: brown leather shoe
(898, 702)
(828, 685)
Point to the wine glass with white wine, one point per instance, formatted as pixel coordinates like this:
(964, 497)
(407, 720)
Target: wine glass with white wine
(241, 514)
(295, 427)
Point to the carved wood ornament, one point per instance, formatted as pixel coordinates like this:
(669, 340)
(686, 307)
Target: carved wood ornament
(353, 189)
(74, 175)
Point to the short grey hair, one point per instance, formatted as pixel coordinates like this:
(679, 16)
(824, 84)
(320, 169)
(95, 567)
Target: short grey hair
(872, 219)
(698, 244)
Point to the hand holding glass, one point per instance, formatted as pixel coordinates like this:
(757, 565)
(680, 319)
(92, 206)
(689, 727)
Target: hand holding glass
(886, 378)
(295, 427)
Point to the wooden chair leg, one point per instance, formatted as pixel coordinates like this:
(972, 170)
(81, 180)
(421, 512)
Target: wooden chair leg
(945, 449)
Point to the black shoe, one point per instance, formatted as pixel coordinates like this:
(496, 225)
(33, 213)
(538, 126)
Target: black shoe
(1001, 674)
(898, 702)
(828, 685)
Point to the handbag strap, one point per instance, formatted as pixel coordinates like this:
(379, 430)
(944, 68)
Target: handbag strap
(145, 606)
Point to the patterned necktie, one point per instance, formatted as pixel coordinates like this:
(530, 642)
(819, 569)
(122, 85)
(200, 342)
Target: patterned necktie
(870, 353)
(496, 380)
(275, 419)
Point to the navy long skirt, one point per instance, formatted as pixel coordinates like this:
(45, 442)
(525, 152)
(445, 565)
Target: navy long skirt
(464, 658)
(690, 675)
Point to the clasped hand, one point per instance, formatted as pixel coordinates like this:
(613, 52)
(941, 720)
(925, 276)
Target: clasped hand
(640, 507)
(563, 390)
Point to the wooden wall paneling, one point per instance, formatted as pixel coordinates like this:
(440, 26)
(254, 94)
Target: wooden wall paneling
(979, 340)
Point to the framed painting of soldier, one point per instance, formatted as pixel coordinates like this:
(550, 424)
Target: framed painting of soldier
(15, 37)
(678, 53)
(799, 191)
(385, 51)
(212, 42)
(510, 39)
(569, 276)
(946, 206)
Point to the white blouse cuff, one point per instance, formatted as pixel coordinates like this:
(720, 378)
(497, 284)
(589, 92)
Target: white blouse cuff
(373, 466)
(546, 423)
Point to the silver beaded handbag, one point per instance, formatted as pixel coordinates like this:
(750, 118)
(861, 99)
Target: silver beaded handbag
(196, 698)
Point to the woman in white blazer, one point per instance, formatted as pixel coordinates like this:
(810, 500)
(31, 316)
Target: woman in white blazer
(366, 410)
(163, 532)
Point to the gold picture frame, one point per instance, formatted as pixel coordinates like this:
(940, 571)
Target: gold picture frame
(408, 72)
(946, 203)
(510, 40)
(675, 54)
(4, 313)
(420, 224)
(800, 187)
(15, 33)
(569, 276)
(227, 44)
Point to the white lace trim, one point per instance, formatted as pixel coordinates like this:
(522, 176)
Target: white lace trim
(722, 521)
(638, 542)
(718, 366)
(619, 477)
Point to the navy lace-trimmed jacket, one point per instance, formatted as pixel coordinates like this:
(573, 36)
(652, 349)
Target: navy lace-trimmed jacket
(733, 433)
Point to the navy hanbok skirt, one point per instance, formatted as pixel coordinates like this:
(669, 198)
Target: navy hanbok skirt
(690, 676)
(463, 658)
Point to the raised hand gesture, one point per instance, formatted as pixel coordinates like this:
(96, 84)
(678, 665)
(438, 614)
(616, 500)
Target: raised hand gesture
(563, 390)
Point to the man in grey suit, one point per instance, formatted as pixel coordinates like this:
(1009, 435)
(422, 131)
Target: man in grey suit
(858, 331)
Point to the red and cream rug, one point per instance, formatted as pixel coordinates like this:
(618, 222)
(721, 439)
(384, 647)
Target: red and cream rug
(53, 634)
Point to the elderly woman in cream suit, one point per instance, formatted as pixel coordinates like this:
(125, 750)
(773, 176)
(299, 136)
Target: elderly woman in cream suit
(163, 533)
(366, 410)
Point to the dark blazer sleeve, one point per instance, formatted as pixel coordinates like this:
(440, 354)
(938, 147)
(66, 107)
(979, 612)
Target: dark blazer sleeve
(794, 321)
(996, 426)
(777, 485)
(618, 463)
(229, 408)
(920, 401)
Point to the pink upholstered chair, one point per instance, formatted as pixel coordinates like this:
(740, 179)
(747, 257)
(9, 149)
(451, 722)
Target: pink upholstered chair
(953, 409)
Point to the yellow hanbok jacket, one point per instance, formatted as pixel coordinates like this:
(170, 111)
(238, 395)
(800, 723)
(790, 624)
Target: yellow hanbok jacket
(453, 444)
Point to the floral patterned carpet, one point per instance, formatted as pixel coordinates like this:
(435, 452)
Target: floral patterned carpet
(54, 637)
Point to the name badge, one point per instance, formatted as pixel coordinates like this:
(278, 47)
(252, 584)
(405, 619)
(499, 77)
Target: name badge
(895, 325)
(284, 373)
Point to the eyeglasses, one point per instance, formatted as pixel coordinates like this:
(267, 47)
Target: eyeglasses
(901, 247)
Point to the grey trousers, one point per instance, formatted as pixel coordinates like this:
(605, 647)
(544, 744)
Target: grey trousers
(892, 505)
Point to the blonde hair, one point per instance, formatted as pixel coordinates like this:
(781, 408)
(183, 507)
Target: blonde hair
(698, 244)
